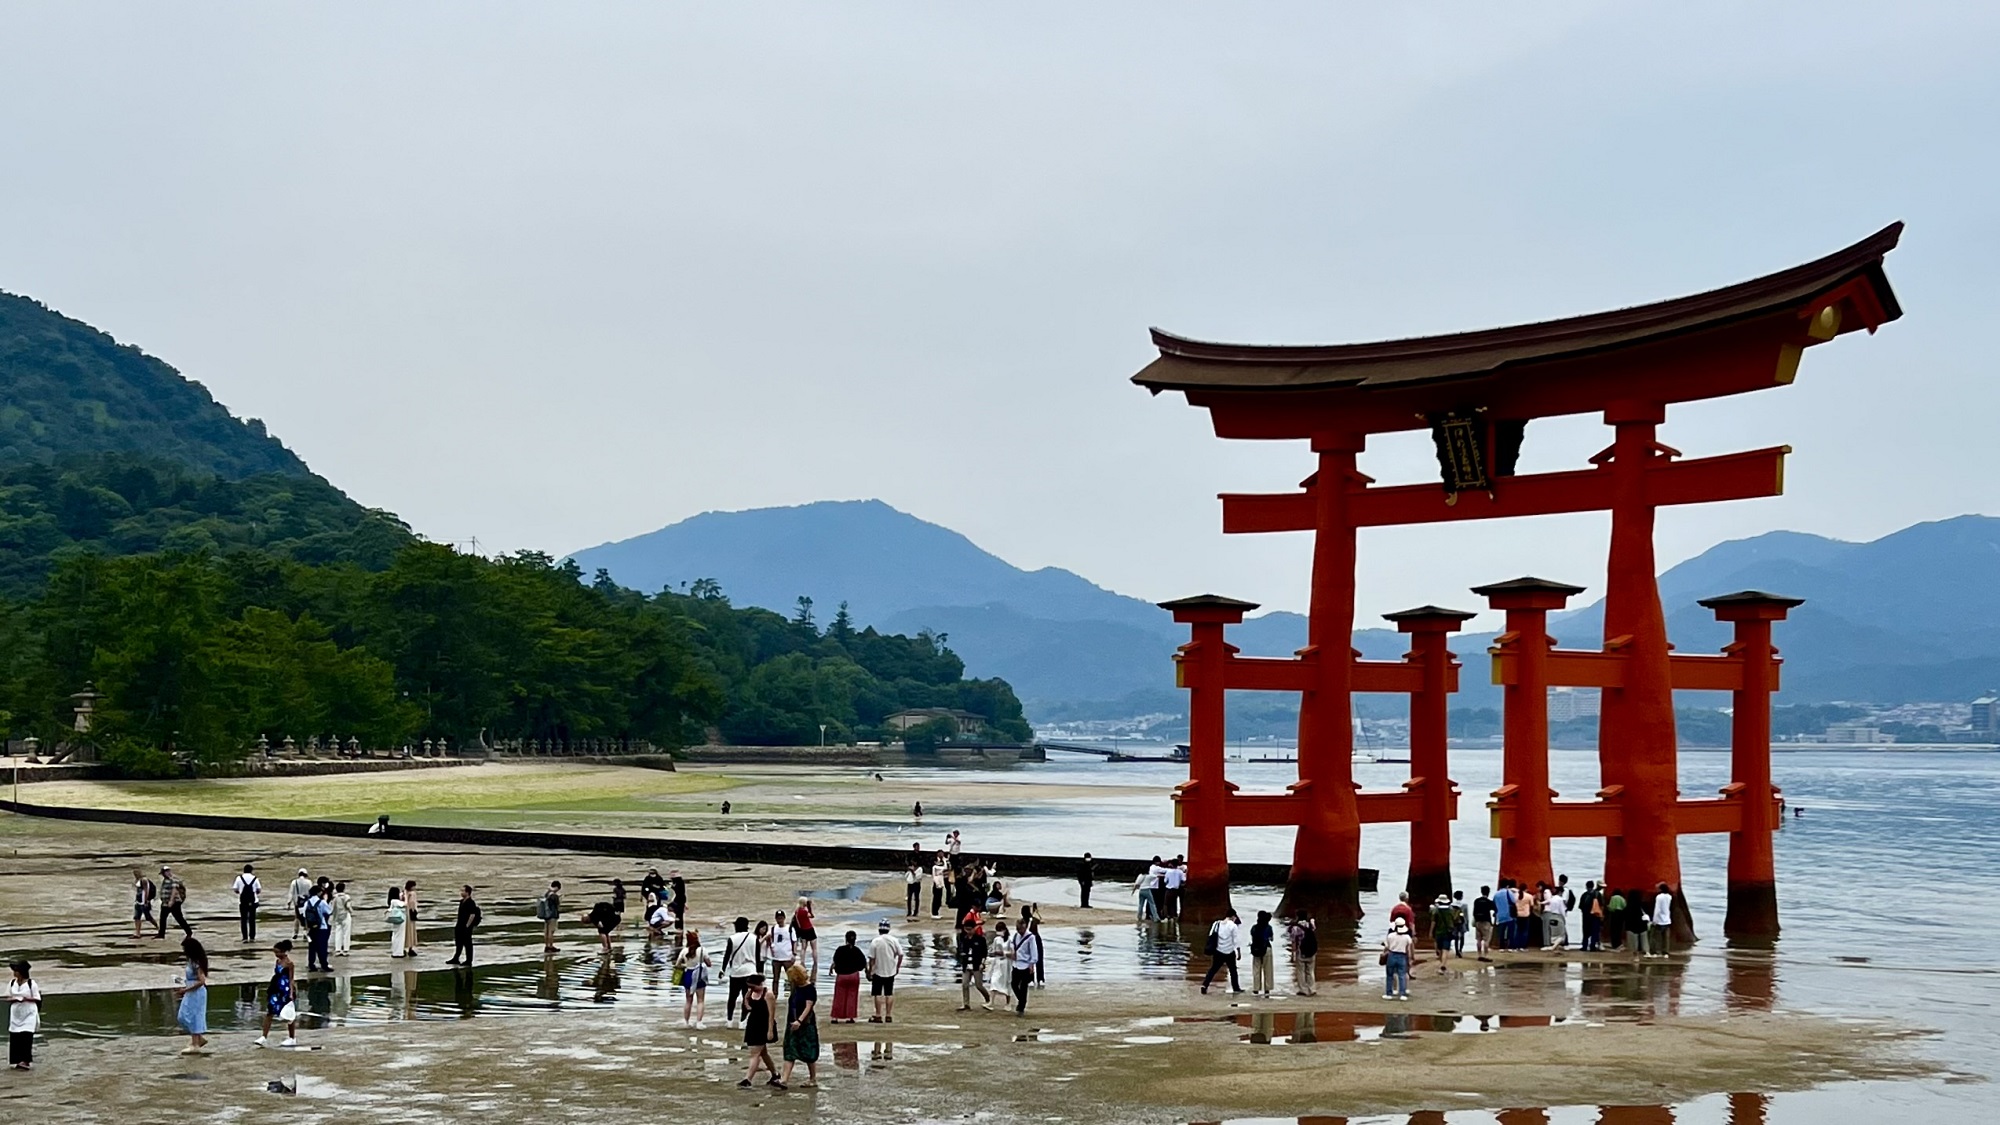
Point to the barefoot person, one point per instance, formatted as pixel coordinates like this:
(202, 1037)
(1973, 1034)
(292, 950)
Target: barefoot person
(805, 939)
(692, 968)
(24, 1016)
(192, 989)
(849, 962)
(801, 1027)
(548, 907)
(758, 1031)
(281, 1000)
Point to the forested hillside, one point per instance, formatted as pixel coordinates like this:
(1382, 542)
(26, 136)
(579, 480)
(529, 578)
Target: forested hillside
(197, 654)
(67, 388)
(127, 504)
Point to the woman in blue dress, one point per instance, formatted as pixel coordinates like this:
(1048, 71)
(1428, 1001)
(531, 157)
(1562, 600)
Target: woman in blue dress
(193, 991)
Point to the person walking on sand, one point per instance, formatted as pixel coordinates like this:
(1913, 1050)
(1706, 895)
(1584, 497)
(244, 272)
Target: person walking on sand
(801, 1027)
(913, 890)
(192, 988)
(940, 872)
(410, 939)
(342, 916)
(885, 960)
(1459, 923)
(1225, 937)
(1398, 950)
(739, 964)
(144, 892)
(758, 1031)
(548, 907)
(469, 918)
(395, 916)
(281, 998)
(1086, 874)
(24, 1016)
(173, 896)
(692, 968)
(317, 914)
(1027, 953)
(849, 962)
(249, 892)
(1263, 955)
(295, 901)
(1303, 937)
(972, 964)
(999, 957)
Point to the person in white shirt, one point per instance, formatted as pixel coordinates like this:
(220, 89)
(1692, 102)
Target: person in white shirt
(1554, 920)
(249, 892)
(783, 951)
(1173, 877)
(1224, 938)
(295, 900)
(1027, 954)
(739, 964)
(885, 960)
(1660, 930)
(1149, 907)
(940, 874)
(24, 1017)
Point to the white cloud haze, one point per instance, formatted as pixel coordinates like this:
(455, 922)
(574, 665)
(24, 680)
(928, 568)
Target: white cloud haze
(556, 274)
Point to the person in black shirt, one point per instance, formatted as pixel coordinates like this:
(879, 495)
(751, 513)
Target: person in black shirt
(677, 900)
(1482, 922)
(605, 917)
(469, 917)
(757, 1031)
(849, 962)
(972, 951)
(1086, 872)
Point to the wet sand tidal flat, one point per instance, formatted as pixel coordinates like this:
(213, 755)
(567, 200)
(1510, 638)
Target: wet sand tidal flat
(1120, 1034)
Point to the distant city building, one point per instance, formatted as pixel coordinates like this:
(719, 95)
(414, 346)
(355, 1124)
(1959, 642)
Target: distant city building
(1566, 703)
(967, 722)
(1857, 732)
(1986, 714)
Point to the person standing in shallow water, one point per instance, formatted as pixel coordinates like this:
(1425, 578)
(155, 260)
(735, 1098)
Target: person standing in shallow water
(24, 1016)
(1086, 874)
(1027, 953)
(848, 963)
(394, 917)
(193, 992)
(249, 892)
(692, 966)
(469, 918)
(144, 891)
(281, 1001)
(801, 1027)
(343, 921)
(410, 942)
(1303, 937)
(757, 1031)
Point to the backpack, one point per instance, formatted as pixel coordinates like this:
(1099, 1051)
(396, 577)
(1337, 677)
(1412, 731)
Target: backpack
(1309, 943)
(1569, 899)
(542, 911)
(247, 896)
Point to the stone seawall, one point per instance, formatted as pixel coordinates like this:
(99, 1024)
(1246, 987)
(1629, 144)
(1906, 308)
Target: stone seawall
(864, 755)
(886, 861)
(276, 767)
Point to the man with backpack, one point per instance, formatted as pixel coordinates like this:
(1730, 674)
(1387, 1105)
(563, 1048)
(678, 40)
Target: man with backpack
(173, 894)
(1303, 938)
(548, 908)
(295, 901)
(249, 892)
(739, 964)
(144, 891)
(316, 913)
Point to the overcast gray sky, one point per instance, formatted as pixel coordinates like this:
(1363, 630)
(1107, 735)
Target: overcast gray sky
(553, 274)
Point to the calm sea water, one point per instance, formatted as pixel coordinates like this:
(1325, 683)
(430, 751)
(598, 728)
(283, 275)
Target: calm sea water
(1889, 887)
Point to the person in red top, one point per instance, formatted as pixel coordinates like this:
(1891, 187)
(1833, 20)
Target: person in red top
(804, 937)
(1403, 910)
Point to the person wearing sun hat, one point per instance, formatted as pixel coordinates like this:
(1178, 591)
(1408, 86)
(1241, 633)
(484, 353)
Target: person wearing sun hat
(1398, 949)
(1443, 927)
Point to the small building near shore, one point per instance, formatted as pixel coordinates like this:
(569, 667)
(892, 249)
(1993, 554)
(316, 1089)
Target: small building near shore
(967, 723)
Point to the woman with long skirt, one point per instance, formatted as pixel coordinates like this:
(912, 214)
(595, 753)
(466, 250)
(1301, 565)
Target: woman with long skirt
(398, 918)
(802, 1027)
(193, 991)
(410, 942)
(848, 962)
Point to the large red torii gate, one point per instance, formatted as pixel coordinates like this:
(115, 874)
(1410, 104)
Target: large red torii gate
(1477, 391)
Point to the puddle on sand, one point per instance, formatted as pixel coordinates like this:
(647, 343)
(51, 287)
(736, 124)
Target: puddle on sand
(1715, 1109)
(1362, 1027)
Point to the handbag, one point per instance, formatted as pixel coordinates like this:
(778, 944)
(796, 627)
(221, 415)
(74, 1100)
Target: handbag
(396, 916)
(1212, 944)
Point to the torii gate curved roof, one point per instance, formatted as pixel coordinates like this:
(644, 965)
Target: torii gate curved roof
(1726, 341)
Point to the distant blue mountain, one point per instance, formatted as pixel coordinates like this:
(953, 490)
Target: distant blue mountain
(1913, 615)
